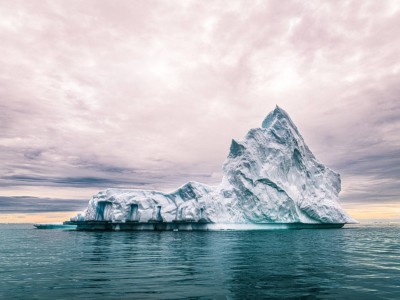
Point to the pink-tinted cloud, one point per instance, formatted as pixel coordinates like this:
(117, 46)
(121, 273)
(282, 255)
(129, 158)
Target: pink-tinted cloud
(149, 93)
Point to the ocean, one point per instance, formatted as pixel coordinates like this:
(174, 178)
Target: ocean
(355, 262)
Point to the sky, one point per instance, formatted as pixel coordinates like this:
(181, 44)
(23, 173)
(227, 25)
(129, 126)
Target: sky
(148, 94)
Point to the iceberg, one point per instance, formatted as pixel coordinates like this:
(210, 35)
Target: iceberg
(269, 177)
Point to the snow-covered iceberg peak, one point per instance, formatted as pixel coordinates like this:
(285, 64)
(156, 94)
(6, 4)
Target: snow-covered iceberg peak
(276, 177)
(278, 115)
(270, 176)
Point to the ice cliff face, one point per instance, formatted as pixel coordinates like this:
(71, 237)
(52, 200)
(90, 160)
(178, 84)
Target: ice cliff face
(271, 176)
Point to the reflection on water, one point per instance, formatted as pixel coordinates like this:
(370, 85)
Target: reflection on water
(357, 263)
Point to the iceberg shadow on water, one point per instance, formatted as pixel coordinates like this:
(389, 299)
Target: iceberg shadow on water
(192, 226)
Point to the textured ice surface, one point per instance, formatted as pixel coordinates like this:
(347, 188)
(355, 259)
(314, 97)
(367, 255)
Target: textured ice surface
(270, 176)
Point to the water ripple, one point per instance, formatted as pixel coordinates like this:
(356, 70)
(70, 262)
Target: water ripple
(360, 262)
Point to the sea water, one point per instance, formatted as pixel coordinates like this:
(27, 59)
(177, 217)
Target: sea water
(356, 262)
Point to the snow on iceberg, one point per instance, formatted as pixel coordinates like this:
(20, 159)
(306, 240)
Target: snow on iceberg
(270, 176)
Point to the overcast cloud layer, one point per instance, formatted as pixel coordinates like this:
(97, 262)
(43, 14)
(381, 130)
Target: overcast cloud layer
(148, 94)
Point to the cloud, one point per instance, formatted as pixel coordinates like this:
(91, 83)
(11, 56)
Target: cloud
(148, 94)
(26, 204)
